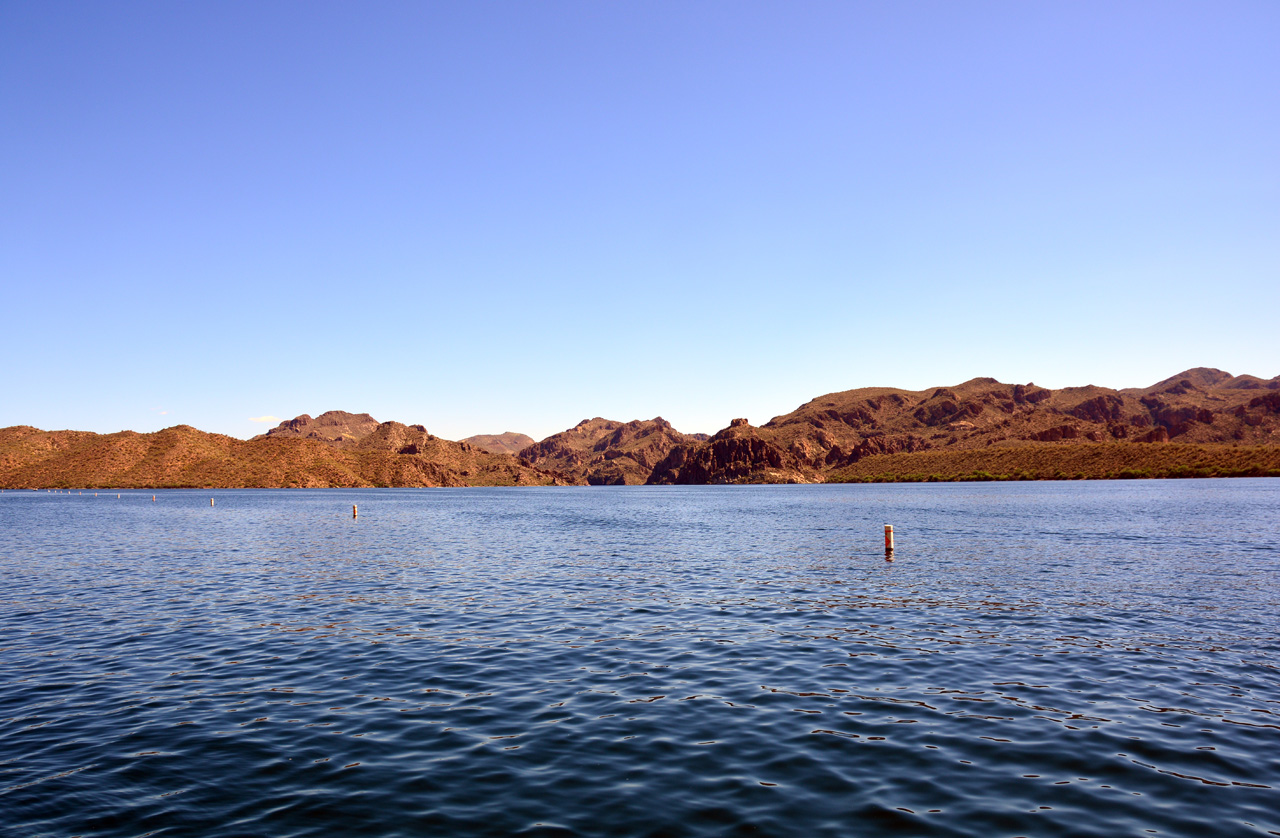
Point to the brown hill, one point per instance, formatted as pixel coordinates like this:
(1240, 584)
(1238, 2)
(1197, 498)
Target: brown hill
(506, 443)
(1251, 382)
(391, 455)
(738, 454)
(1218, 424)
(345, 430)
(1207, 378)
(838, 430)
(603, 452)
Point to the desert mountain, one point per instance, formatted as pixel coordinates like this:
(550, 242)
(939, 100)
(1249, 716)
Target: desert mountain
(338, 427)
(506, 443)
(603, 452)
(1199, 422)
(348, 430)
(833, 433)
(390, 455)
(1207, 378)
(737, 454)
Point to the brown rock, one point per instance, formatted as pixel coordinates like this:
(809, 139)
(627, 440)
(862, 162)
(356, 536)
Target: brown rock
(337, 427)
(504, 443)
(604, 452)
(1104, 408)
(394, 455)
(737, 454)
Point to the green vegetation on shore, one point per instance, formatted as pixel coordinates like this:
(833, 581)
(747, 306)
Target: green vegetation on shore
(1066, 462)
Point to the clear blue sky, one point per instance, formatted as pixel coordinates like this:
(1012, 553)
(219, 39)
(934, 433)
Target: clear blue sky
(513, 216)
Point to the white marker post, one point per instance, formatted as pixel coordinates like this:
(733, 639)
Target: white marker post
(888, 539)
(211, 501)
(354, 512)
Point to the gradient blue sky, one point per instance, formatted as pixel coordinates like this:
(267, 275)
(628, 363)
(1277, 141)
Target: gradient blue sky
(513, 216)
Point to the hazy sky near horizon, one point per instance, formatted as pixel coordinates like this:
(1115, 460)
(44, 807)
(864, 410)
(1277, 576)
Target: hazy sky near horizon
(513, 216)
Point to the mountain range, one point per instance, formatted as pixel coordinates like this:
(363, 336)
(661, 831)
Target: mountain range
(1201, 422)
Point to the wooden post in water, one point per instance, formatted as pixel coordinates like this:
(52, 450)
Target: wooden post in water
(211, 501)
(888, 539)
(355, 513)
(153, 498)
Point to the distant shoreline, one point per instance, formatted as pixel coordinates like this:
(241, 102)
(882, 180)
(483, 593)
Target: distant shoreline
(1201, 422)
(1266, 468)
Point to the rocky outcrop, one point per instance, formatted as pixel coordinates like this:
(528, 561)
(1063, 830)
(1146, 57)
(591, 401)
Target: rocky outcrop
(397, 437)
(1057, 434)
(1104, 408)
(873, 445)
(1175, 418)
(505, 443)
(1182, 388)
(605, 452)
(337, 427)
(1029, 394)
(738, 454)
(1269, 403)
(1159, 434)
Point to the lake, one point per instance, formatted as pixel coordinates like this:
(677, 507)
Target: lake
(1039, 659)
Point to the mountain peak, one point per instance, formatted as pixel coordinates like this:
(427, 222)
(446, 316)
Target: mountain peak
(333, 426)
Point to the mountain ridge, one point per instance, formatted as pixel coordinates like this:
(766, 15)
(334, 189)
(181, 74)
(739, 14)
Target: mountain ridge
(1211, 422)
(604, 452)
(837, 430)
(508, 442)
(185, 457)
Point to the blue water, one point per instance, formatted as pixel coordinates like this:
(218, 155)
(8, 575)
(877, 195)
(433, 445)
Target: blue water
(1039, 659)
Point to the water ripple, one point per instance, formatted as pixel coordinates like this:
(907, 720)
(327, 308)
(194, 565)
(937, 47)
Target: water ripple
(1038, 659)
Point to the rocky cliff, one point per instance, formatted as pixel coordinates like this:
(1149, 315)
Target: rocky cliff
(337, 427)
(834, 432)
(738, 454)
(604, 452)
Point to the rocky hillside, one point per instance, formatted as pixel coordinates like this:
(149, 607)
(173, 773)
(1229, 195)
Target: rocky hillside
(738, 454)
(507, 443)
(836, 431)
(1199, 422)
(607, 453)
(345, 430)
(390, 455)
(1207, 378)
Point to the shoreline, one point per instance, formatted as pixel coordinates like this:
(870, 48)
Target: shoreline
(978, 477)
